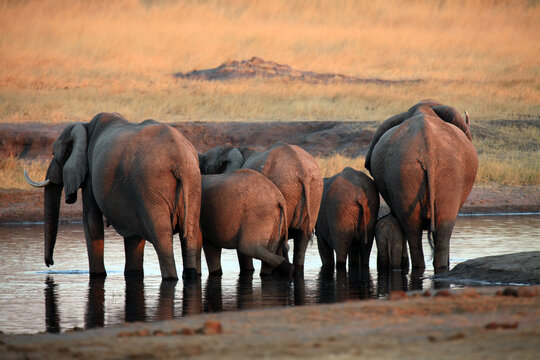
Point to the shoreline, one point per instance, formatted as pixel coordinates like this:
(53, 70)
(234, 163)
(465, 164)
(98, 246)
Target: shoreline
(495, 323)
(26, 206)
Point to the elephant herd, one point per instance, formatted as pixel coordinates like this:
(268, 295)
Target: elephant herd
(149, 183)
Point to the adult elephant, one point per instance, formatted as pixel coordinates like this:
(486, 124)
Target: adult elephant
(294, 172)
(243, 210)
(347, 218)
(144, 178)
(424, 165)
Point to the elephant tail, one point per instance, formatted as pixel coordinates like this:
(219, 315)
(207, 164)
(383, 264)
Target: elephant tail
(363, 220)
(283, 228)
(305, 206)
(430, 188)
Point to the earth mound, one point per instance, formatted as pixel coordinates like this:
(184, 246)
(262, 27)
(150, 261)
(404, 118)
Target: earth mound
(517, 268)
(259, 68)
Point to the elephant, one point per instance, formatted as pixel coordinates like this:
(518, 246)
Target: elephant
(143, 178)
(424, 165)
(347, 218)
(243, 210)
(391, 249)
(292, 170)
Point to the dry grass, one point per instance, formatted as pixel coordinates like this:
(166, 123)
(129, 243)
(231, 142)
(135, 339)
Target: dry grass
(67, 60)
(12, 169)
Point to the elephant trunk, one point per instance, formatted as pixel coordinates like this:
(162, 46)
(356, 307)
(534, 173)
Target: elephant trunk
(53, 194)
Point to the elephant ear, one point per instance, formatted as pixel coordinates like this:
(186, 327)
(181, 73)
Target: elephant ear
(385, 126)
(76, 165)
(452, 116)
(234, 161)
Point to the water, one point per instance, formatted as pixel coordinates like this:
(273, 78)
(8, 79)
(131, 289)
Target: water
(34, 298)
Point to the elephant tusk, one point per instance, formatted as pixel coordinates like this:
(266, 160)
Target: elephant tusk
(467, 120)
(35, 184)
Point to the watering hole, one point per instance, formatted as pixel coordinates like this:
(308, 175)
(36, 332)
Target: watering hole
(34, 298)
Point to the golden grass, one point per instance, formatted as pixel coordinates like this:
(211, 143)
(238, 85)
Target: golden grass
(333, 164)
(67, 60)
(63, 61)
(12, 169)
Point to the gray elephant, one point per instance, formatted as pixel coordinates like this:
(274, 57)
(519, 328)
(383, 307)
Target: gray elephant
(347, 218)
(391, 249)
(243, 210)
(292, 170)
(144, 178)
(424, 165)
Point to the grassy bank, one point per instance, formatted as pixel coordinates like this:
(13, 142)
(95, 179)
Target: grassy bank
(67, 60)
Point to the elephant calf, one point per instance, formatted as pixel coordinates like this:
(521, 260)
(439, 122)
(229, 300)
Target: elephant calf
(347, 217)
(391, 250)
(243, 210)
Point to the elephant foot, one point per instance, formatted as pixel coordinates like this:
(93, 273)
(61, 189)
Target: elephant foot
(170, 278)
(299, 269)
(441, 269)
(134, 274)
(247, 271)
(98, 275)
(341, 265)
(285, 269)
(217, 272)
(190, 273)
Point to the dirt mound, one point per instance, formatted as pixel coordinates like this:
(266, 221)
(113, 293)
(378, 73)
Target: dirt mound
(259, 68)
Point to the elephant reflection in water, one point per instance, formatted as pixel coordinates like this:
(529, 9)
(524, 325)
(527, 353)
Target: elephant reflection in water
(346, 285)
(52, 316)
(95, 305)
(192, 298)
(273, 292)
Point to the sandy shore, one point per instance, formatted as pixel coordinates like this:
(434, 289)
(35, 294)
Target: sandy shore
(487, 323)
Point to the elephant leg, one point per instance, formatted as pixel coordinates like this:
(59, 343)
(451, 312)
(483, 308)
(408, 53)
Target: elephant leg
(365, 252)
(134, 250)
(271, 261)
(301, 241)
(414, 239)
(164, 248)
(441, 238)
(404, 255)
(212, 254)
(245, 262)
(93, 231)
(326, 252)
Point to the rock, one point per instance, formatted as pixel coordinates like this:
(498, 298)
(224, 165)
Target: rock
(518, 268)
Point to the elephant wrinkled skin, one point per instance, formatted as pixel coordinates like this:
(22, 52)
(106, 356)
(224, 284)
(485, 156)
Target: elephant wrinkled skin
(243, 210)
(424, 165)
(347, 217)
(144, 178)
(391, 249)
(292, 170)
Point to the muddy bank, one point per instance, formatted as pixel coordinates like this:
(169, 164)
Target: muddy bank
(319, 138)
(443, 324)
(27, 205)
(518, 268)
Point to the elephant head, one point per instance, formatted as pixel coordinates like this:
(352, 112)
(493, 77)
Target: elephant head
(67, 170)
(221, 159)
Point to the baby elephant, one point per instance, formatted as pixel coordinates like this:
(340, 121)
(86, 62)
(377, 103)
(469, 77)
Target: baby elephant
(391, 251)
(347, 217)
(243, 210)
